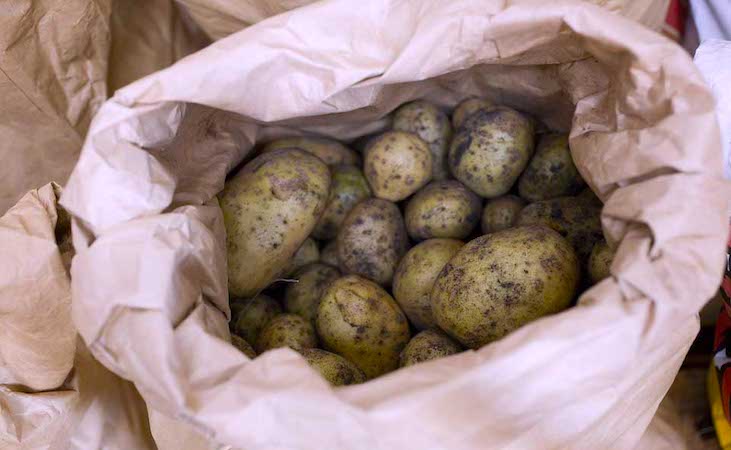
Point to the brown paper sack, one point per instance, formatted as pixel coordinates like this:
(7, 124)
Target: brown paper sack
(53, 394)
(149, 278)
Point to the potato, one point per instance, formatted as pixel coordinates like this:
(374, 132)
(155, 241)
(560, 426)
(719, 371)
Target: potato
(306, 254)
(426, 346)
(502, 281)
(432, 126)
(397, 164)
(337, 370)
(490, 151)
(358, 320)
(303, 297)
(255, 314)
(551, 172)
(329, 151)
(329, 253)
(372, 240)
(287, 330)
(501, 213)
(576, 220)
(600, 261)
(443, 209)
(468, 107)
(348, 187)
(269, 209)
(415, 276)
(243, 346)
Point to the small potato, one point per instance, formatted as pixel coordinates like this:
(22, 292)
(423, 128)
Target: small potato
(329, 254)
(287, 330)
(303, 297)
(397, 164)
(337, 370)
(490, 151)
(255, 315)
(431, 125)
(468, 107)
(372, 240)
(426, 346)
(501, 213)
(358, 320)
(243, 346)
(329, 151)
(306, 254)
(269, 209)
(415, 276)
(551, 172)
(348, 187)
(600, 261)
(443, 209)
(502, 281)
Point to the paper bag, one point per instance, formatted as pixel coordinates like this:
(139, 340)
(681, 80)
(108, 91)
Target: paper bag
(149, 278)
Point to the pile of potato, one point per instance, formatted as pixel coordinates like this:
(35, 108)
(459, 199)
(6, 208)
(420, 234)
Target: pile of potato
(439, 236)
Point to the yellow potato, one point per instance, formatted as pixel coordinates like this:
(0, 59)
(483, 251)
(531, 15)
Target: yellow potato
(329, 151)
(430, 124)
(348, 188)
(468, 107)
(426, 346)
(551, 172)
(337, 370)
(397, 164)
(501, 213)
(442, 209)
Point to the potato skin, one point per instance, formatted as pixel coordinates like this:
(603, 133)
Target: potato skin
(287, 330)
(329, 253)
(415, 277)
(442, 209)
(331, 152)
(372, 240)
(432, 126)
(502, 281)
(551, 172)
(255, 315)
(303, 298)
(501, 213)
(348, 187)
(269, 209)
(358, 320)
(243, 346)
(426, 346)
(600, 261)
(337, 370)
(397, 164)
(490, 151)
(469, 106)
(308, 253)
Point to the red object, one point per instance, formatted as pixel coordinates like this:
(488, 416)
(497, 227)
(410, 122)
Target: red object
(722, 339)
(674, 26)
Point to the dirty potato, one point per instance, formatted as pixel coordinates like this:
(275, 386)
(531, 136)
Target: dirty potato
(426, 346)
(308, 253)
(397, 164)
(415, 276)
(329, 151)
(329, 253)
(287, 330)
(269, 209)
(468, 107)
(600, 261)
(303, 297)
(501, 213)
(490, 151)
(358, 320)
(432, 126)
(502, 281)
(372, 240)
(443, 209)
(337, 370)
(348, 187)
(551, 172)
(254, 315)
(243, 346)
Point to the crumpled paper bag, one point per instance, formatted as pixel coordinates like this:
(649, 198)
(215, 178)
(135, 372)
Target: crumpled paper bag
(53, 394)
(149, 278)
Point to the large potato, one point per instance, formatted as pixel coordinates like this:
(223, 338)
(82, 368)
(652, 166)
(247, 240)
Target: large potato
(328, 150)
(397, 164)
(430, 124)
(286, 330)
(348, 187)
(426, 346)
(551, 172)
(337, 370)
(358, 320)
(575, 219)
(501, 213)
(254, 316)
(600, 261)
(303, 297)
(468, 107)
(443, 209)
(269, 209)
(490, 151)
(372, 240)
(501, 281)
(308, 253)
(415, 276)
